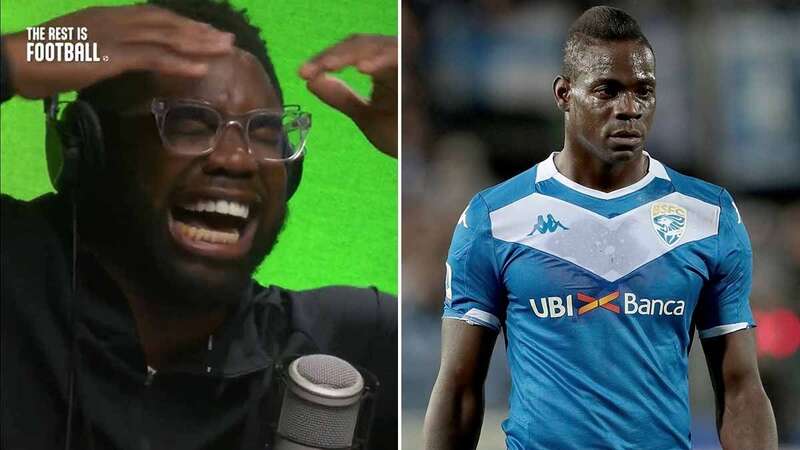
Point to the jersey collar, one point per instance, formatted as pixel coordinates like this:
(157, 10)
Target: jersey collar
(547, 169)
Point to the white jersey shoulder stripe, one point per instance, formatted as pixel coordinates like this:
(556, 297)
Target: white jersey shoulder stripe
(610, 248)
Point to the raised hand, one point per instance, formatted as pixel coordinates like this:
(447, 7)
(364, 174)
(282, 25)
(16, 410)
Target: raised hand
(372, 55)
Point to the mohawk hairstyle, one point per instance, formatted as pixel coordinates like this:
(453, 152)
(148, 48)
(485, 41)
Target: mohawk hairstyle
(225, 17)
(595, 25)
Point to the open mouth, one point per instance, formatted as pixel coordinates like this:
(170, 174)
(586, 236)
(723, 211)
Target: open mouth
(213, 226)
(215, 221)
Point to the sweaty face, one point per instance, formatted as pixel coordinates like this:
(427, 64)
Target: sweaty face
(197, 226)
(612, 100)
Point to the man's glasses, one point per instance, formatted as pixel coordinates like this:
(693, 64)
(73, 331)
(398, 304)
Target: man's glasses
(191, 127)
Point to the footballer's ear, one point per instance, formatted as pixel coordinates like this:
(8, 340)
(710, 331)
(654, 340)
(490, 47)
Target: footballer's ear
(562, 91)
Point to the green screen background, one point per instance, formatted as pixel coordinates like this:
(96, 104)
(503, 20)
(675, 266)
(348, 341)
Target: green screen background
(342, 225)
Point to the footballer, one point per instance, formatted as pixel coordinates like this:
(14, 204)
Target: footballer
(598, 264)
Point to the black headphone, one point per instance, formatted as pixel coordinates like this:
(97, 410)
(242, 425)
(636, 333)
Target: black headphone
(74, 143)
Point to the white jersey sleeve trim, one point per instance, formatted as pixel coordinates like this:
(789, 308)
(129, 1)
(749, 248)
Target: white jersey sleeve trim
(476, 316)
(723, 329)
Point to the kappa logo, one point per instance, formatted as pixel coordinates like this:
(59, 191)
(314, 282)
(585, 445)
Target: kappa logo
(554, 307)
(669, 221)
(551, 226)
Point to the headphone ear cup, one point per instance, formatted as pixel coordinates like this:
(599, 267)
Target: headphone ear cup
(74, 143)
(62, 158)
(83, 122)
(294, 169)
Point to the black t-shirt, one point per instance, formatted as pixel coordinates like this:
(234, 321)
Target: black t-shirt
(222, 397)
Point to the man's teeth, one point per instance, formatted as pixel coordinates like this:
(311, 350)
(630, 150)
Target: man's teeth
(204, 234)
(220, 207)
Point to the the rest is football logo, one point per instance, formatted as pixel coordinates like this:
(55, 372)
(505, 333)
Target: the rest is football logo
(669, 221)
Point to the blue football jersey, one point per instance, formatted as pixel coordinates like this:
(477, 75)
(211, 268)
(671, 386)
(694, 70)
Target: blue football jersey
(598, 295)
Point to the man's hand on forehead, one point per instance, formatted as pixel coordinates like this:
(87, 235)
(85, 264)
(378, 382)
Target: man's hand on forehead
(133, 38)
(372, 55)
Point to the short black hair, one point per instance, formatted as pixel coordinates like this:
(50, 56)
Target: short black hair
(225, 17)
(595, 25)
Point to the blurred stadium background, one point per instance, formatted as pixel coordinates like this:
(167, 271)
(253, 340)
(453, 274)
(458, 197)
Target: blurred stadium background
(478, 108)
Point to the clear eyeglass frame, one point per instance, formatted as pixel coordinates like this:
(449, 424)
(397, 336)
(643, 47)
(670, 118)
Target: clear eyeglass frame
(295, 125)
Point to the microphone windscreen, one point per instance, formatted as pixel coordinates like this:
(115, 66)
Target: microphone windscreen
(321, 403)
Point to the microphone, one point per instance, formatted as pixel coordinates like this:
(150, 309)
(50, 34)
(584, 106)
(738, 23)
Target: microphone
(321, 404)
